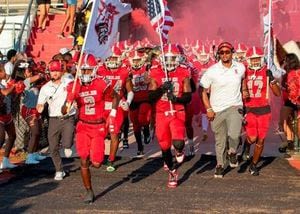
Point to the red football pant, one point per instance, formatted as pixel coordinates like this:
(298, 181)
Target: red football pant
(257, 125)
(141, 116)
(90, 141)
(169, 128)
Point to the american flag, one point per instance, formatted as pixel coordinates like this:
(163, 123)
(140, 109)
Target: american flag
(160, 17)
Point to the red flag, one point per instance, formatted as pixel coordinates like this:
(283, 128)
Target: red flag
(160, 18)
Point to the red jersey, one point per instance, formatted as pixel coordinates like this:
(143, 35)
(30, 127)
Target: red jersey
(117, 79)
(89, 98)
(257, 87)
(177, 77)
(140, 87)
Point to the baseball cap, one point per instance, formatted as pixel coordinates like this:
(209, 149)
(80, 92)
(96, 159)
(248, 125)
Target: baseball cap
(55, 65)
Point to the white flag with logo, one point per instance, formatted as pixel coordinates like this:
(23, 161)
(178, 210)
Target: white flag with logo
(103, 25)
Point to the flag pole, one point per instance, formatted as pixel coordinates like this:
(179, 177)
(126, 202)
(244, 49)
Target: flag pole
(269, 46)
(270, 31)
(83, 45)
(163, 54)
(68, 105)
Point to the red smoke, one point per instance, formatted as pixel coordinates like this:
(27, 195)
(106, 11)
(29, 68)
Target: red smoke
(142, 26)
(230, 20)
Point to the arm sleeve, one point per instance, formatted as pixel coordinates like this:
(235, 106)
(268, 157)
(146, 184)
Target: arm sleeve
(193, 85)
(185, 98)
(154, 95)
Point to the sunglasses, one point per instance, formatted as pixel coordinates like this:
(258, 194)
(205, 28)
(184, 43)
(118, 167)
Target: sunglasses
(225, 52)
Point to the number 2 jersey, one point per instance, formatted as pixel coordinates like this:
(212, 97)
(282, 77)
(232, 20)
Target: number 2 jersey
(257, 84)
(177, 77)
(89, 98)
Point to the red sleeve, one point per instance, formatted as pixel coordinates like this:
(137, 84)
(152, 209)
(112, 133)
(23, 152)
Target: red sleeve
(73, 96)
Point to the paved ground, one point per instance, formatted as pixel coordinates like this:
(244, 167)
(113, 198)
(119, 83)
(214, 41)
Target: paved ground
(139, 185)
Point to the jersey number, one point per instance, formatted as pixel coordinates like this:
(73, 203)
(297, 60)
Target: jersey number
(259, 85)
(89, 102)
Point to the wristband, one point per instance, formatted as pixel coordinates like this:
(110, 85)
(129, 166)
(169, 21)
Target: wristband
(209, 110)
(113, 113)
(130, 97)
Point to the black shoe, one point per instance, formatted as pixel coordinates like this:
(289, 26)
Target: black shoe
(290, 145)
(89, 197)
(140, 153)
(253, 170)
(283, 146)
(147, 140)
(246, 151)
(219, 172)
(125, 144)
(146, 133)
(233, 162)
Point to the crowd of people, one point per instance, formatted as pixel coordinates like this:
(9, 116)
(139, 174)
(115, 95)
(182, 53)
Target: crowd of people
(85, 100)
(157, 89)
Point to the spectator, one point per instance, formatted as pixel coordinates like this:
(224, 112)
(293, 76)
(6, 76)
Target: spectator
(292, 66)
(44, 7)
(61, 128)
(6, 122)
(29, 113)
(70, 18)
(224, 105)
(9, 66)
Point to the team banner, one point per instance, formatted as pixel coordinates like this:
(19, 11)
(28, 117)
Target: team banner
(102, 30)
(269, 41)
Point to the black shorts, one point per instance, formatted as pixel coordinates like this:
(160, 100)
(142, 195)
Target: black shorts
(43, 2)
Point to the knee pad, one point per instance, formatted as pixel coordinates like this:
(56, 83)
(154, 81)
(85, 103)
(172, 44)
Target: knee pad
(178, 145)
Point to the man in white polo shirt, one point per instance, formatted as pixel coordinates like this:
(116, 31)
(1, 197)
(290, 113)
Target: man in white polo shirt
(61, 128)
(222, 99)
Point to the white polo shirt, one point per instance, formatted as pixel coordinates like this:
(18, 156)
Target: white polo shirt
(55, 95)
(224, 84)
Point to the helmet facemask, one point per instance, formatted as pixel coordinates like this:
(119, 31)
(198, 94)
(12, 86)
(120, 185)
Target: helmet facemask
(240, 56)
(86, 75)
(171, 62)
(203, 58)
(137, 63)
(113, 62)
(255, 63)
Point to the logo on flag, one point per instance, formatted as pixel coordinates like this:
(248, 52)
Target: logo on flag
(103, 25)
(104, 22)
(160, 18)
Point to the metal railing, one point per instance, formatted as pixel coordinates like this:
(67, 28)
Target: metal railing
(20, 43)
(20, 33)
